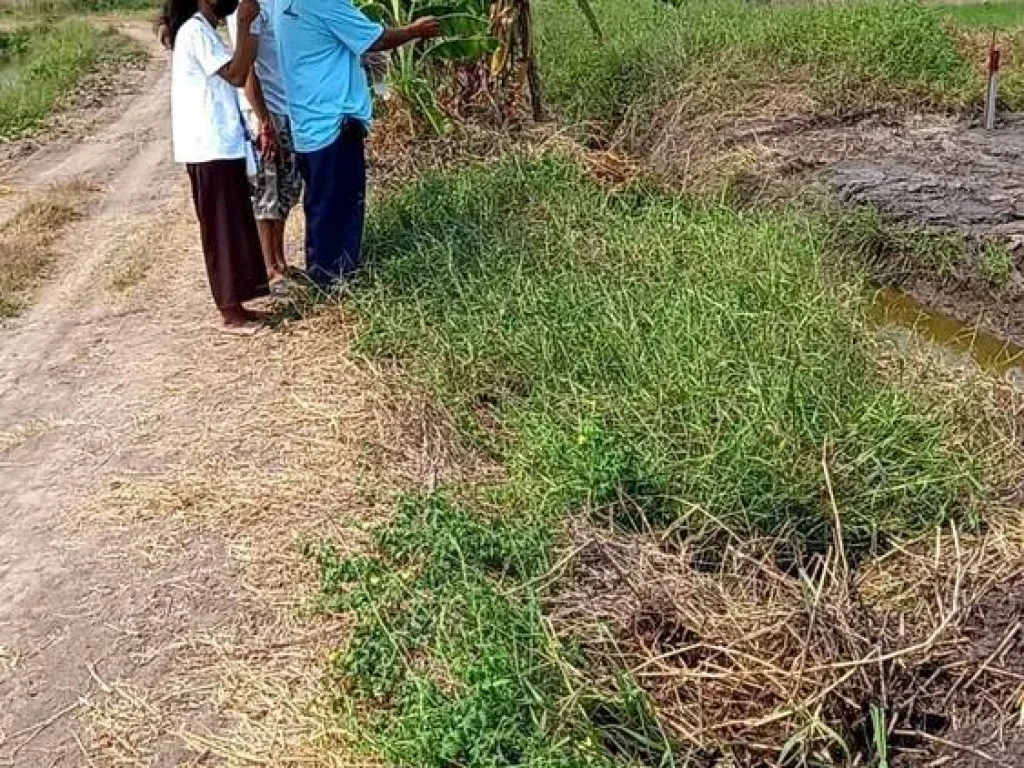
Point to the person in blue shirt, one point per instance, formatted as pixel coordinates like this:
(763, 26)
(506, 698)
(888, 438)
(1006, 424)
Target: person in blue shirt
(320, 47)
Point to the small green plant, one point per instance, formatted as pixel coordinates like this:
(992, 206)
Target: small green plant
(880, 736)
(450, 662)
(996, 263)
(894, 248)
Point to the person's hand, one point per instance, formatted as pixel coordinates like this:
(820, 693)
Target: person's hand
(247, 12)
(269, 143)
(425, 28)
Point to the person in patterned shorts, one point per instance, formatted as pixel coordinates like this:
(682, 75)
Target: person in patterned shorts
(277, 186)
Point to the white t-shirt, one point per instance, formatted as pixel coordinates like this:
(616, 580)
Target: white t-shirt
(268, 65)
(205, 118)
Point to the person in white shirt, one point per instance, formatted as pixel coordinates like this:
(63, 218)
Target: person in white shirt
(277, 186)
(210, 140)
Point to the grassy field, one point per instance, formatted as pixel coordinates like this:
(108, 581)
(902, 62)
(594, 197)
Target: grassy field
(643, 361)
(63, 8)
(999, 15)
(733, 57)
(41, 62)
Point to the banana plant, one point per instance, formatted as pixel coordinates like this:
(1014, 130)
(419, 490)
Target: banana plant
(512, 28)
(465, 37)
(471, 30)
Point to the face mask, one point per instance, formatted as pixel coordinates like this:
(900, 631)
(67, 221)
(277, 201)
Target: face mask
(224, 8)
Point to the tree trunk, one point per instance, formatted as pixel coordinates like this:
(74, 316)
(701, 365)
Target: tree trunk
(524, 22)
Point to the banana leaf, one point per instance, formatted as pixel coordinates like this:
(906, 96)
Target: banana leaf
(462, 49)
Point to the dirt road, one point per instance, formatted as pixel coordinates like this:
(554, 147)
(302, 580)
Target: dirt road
(154, 478)
(71, 604)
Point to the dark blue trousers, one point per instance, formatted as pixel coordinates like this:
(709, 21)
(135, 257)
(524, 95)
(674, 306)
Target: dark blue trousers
(335, 205)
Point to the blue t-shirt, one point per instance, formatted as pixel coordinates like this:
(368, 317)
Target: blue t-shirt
(320, 45)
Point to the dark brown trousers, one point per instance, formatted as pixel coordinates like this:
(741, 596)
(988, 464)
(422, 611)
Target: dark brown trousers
(231, 243)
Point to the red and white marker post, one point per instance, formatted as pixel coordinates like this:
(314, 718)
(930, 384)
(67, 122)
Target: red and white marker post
(993, 84)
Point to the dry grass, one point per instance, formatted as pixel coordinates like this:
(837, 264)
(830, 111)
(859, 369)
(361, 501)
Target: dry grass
(742, 655)
(310, 444)
(28, 242)
(242, 699)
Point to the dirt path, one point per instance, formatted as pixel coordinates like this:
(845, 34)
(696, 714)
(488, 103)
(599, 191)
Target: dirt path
(155, 478)
(66, 409)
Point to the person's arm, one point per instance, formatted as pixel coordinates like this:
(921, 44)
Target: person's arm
(359, 34)
(395, 37)
(237, 70)
(268, 133)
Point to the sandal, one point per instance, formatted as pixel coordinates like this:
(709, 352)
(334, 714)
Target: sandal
(280, 288)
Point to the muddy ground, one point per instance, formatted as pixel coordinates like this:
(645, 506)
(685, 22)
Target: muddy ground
(949, 176)
(939, 173)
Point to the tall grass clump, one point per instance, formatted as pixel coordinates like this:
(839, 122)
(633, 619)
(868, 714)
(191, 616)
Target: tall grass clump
(636, 344)
(730, 56)
(644, 361)
(40, 62)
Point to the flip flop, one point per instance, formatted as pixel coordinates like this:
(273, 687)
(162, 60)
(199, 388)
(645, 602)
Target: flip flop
(250, 328)
(280, 288)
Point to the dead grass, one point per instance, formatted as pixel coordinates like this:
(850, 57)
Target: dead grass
(310, 444)
(28, 242)
(247, 698)
(130, 268)
(744, 656)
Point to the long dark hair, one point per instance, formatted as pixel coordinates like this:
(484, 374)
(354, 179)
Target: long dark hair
(172, 16)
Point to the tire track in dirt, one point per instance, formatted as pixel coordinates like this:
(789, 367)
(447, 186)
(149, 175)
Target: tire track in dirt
(65, 403)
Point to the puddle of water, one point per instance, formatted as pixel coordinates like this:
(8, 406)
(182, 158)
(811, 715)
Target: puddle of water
(992, 354)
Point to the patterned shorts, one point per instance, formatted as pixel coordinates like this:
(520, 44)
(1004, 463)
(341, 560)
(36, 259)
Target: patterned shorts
(277, 186)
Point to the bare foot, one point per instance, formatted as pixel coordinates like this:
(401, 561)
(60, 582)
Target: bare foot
(252, 316)
(239, 315)
(234, 315)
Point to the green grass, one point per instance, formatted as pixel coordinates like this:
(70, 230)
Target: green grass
(40, 63)
(683, 350)
(640, 358)
(28, 9)
(986, 15)
(727, 55)
(996, 263)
